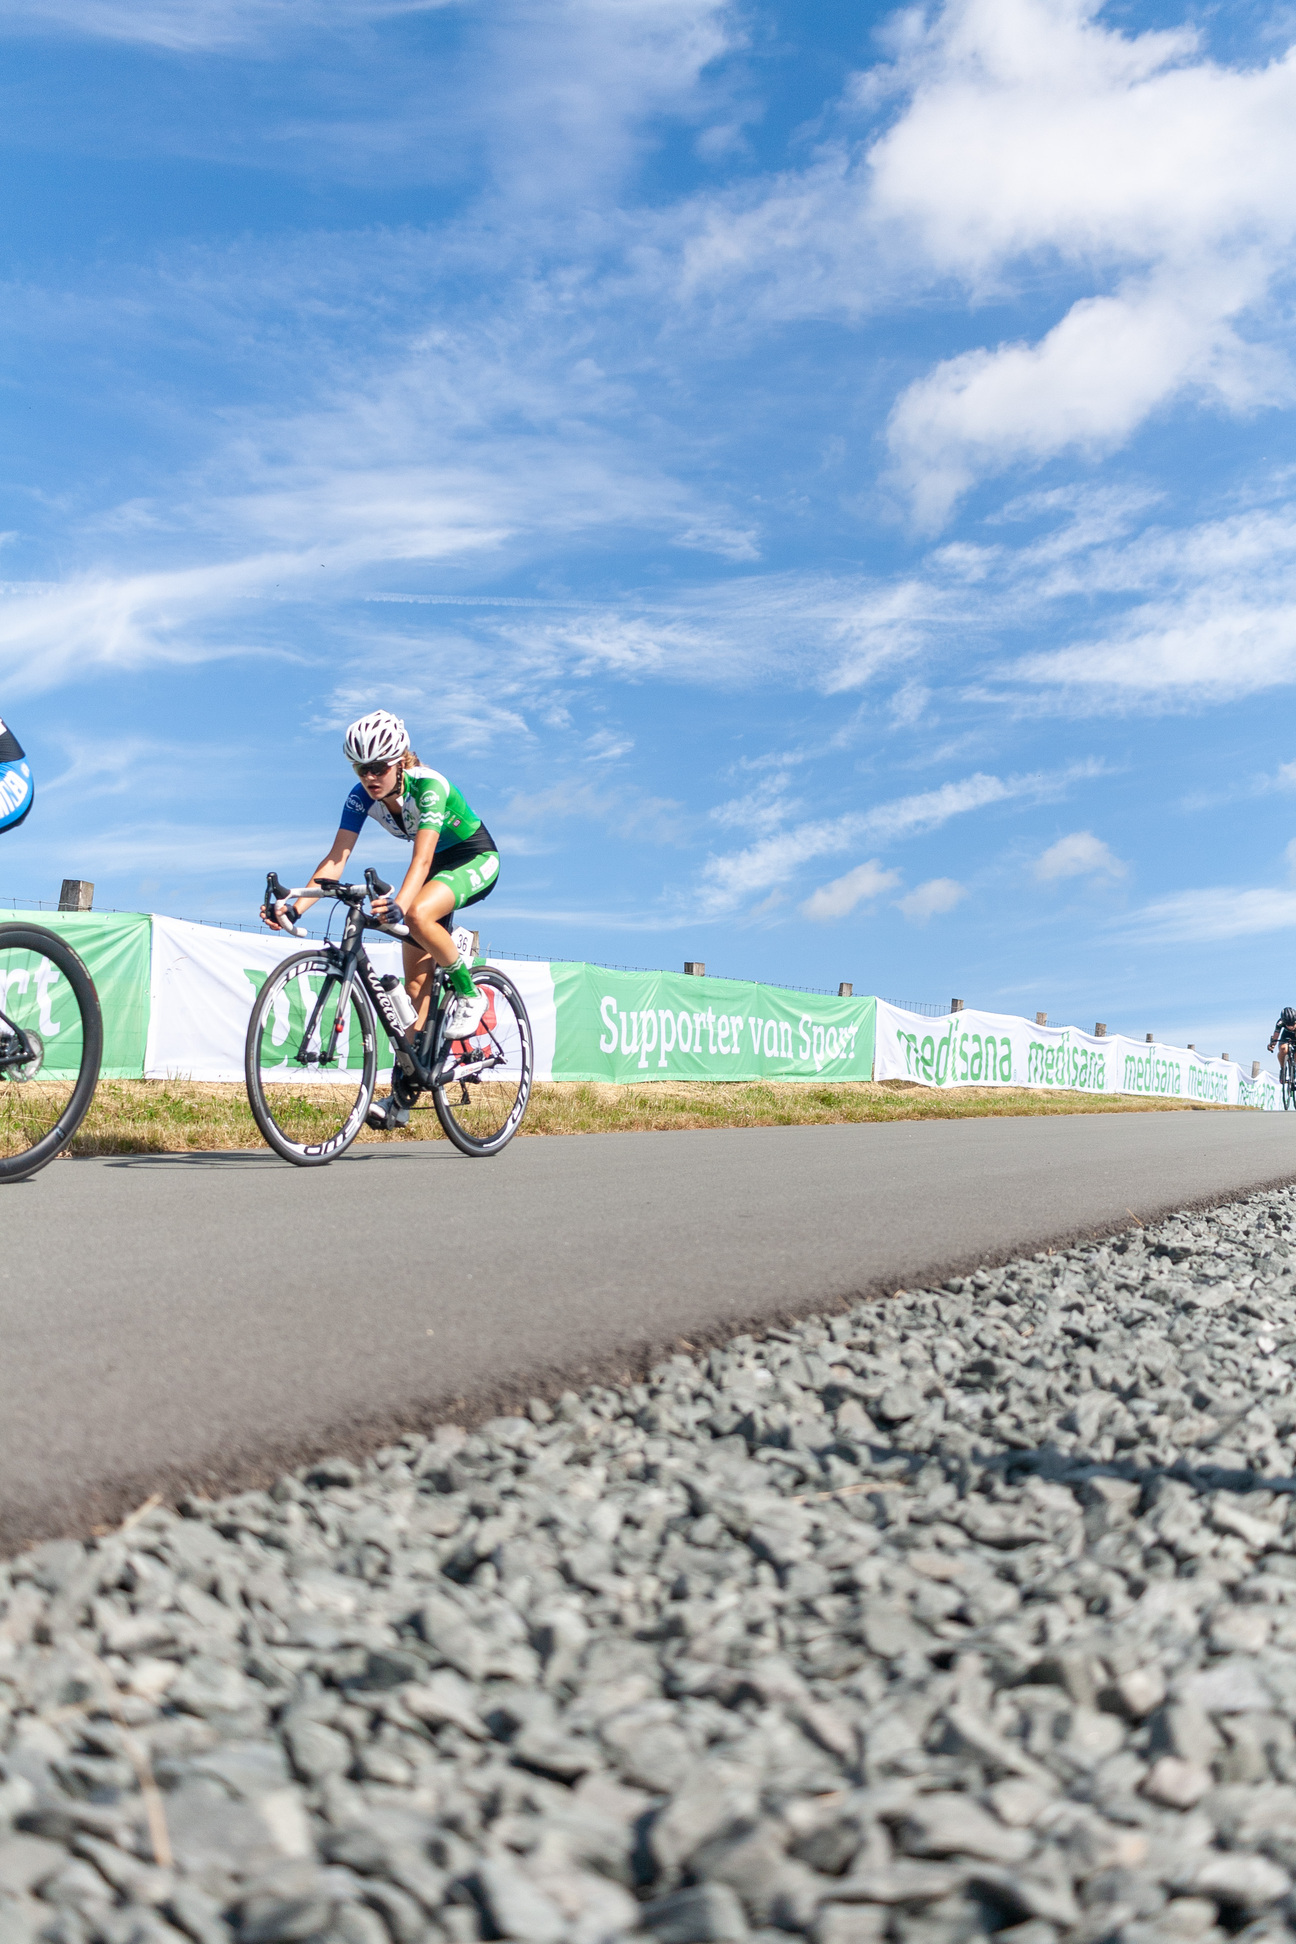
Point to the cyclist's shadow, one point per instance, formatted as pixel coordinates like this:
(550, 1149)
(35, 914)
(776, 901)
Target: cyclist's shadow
(234, 1158)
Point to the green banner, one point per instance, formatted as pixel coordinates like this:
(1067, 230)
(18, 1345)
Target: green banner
(624, 1026)
(115, 949)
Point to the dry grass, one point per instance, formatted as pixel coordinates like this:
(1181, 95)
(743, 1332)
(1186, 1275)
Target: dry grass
(171, 1116)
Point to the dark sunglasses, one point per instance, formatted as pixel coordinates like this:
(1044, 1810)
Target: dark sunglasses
(374, 769)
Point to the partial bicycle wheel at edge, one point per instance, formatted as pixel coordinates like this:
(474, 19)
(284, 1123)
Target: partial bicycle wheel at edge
(482, 1107)
(51, 1045)
(309, 1112)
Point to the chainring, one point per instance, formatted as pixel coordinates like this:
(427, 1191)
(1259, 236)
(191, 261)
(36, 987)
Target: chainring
(13, 1064)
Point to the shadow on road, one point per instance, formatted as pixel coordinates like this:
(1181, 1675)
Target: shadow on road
(226, 1158)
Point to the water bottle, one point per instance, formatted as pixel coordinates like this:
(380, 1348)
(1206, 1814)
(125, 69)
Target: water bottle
(400, 999)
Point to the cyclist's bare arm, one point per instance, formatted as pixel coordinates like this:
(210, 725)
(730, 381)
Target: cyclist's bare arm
(331, 866)
(416, 877)
(425, 901)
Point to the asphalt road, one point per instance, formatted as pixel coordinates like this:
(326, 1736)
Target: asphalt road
(177, 1323)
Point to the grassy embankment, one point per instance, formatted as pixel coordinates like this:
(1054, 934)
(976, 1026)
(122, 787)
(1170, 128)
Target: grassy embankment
(172, 1116)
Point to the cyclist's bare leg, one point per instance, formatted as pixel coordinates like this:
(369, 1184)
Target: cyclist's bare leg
(430, 944)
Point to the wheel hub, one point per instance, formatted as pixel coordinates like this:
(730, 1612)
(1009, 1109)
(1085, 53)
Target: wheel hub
(19, 1061)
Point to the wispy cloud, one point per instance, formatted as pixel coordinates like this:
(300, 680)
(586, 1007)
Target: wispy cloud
(1204, 612)
(1080, 854)
(727, 881)
(50, 636)
(1207, 916)
(204, 26)
(860, 886)
(932, 899)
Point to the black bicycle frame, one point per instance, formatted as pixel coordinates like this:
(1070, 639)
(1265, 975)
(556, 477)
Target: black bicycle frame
(411, 1049)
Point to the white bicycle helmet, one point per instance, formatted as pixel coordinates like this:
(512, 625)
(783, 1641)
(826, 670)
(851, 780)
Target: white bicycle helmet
(376, 737)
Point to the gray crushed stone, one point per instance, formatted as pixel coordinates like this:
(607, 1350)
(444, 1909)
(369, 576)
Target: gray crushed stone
(969, 1613)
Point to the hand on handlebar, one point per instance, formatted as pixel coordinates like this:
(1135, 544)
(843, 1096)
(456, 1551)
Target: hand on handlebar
(388, 912)
(283, 916)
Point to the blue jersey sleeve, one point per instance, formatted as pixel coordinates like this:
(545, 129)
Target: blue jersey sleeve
(355, 809)
(17, 794)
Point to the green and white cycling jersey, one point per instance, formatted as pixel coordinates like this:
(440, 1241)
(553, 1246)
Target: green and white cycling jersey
(429, 801)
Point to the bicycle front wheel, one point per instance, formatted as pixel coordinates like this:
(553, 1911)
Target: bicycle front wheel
(310, 1069)
(482, 1103)
(51, 1044)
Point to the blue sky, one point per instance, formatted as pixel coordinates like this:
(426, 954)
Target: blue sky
(820, 479)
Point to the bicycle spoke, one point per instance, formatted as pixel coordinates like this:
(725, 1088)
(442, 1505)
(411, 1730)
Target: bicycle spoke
(309, 1085)
(484, 1097)
(50, 1041)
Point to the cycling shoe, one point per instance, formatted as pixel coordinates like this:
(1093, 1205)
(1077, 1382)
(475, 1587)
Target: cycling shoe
(385, 1116)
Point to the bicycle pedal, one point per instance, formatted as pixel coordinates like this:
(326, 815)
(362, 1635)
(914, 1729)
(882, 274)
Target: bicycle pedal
(387, 1115)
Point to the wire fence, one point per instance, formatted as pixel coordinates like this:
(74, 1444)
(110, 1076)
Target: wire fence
(735, 978)
(126, 911)
(928, 1010)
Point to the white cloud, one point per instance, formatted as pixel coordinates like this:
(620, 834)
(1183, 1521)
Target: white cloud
(574, 82)
(203, 26)
(1219, 912)
(931, 899)
(1036, 143)
(839, 898)
(605, 745)
(1035, 131)
(829, 632)
(1213, 613)
(1079, 855)
(94, 623)
(1088, 384)
(776, 858)
(910, 815)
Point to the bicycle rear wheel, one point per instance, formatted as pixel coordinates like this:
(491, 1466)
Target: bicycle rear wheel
(482, 1103)
(51, 1044)
(309, 1112)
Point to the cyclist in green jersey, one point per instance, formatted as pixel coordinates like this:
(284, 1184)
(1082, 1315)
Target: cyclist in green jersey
(454, 860)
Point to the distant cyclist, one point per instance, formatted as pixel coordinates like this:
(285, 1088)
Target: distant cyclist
(454, 863)
(17, 791)
(1283, 1035)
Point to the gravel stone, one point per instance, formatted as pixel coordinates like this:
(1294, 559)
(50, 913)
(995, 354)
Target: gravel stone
(969, 1613)
(838, 1923)
(708, 1914)
(954, 1825)
(1178, 1784)
(514, 1906)
(1245, 1882)
(26, 1861)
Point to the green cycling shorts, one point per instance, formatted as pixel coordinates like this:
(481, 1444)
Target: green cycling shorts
(471, 880)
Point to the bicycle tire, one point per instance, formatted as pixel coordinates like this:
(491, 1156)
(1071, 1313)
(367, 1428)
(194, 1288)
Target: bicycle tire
(1288, 1093)
(298, 1113)
(481, 1122)
(25, 1104)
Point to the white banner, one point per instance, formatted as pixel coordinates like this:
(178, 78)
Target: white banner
(204, 979)
(981, 1049)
